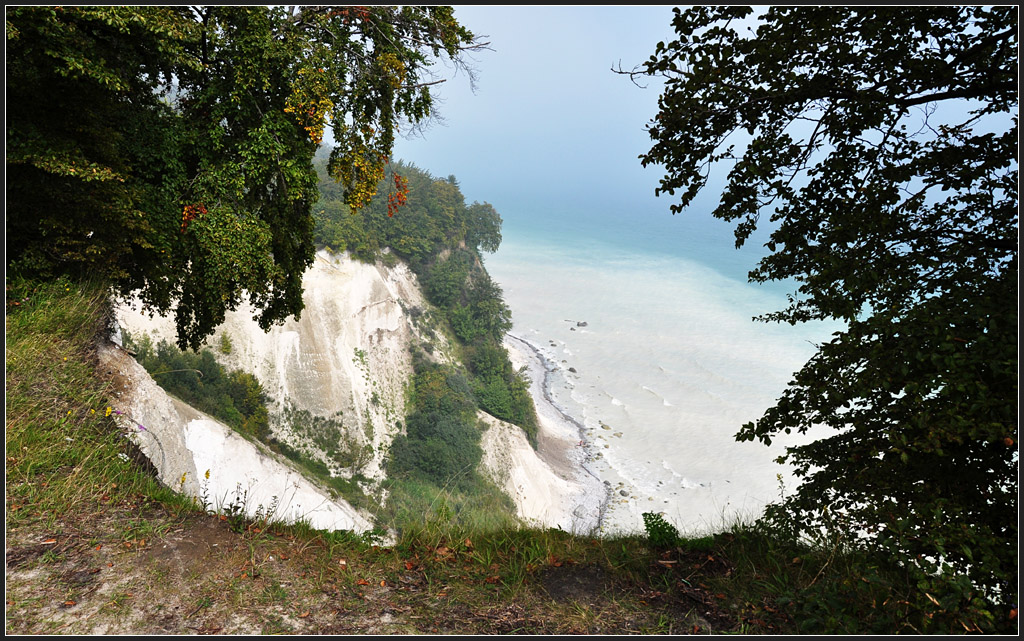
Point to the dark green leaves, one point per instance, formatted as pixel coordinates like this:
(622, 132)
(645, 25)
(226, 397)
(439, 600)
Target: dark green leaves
(882, 144)
(124, 122)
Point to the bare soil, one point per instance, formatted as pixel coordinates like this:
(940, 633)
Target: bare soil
(141, 569)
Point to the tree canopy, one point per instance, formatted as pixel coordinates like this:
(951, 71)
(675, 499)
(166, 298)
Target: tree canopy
(881, 143)
(434, 217)
(170, 149)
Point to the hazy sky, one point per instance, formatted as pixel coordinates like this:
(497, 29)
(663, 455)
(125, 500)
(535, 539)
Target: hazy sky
(549, 126)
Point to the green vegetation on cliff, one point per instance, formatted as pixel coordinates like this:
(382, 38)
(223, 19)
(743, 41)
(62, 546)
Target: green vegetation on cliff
(235, 397)
(441, 238)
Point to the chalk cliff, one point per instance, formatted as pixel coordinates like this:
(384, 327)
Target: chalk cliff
(347, 360)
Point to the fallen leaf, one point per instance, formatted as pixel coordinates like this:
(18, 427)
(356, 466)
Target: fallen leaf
(469, 543)
(409, 565)
(362, 582)
(49, 541)
(343, 563)
(69, 602)
(383, 583)
(304, 614)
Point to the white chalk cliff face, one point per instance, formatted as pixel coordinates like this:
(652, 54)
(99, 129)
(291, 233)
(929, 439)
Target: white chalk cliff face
(184, 444)
(347, 354)
(346, 359)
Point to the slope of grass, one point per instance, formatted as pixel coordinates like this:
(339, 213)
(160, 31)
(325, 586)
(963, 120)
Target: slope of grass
(64, 453)
(96, 546)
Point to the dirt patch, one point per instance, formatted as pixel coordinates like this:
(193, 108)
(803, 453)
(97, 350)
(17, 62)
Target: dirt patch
(584, 584)
(144, 569)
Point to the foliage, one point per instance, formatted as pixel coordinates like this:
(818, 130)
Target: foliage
(440, 448)
(441, 443)
(660, 533)
(501, 390)
(434, 218)
(883, 143)
(235, 397)
(442, 239)
(169, 149)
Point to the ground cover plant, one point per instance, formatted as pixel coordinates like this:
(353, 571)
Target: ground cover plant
(96, 546)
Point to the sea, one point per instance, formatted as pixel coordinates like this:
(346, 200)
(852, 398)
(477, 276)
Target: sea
(646, 322)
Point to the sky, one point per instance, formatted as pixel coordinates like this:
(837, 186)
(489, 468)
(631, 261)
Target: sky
(551, 136)
(549, 125)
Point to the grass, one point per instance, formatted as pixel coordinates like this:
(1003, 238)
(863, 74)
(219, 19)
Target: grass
(63, 449)
(95, 545)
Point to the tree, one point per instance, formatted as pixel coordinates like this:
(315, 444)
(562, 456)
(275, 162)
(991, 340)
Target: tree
(170, 149)
(882, 143)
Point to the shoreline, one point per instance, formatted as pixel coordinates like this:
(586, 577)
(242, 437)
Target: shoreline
(562, 441)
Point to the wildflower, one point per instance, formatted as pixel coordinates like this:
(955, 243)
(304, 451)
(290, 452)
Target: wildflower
(207, 475)
(108, 411)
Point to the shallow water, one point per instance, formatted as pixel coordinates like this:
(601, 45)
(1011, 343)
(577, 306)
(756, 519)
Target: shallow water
(658, 358)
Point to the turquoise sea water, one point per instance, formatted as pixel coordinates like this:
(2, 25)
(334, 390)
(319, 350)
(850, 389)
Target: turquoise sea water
(648, 318)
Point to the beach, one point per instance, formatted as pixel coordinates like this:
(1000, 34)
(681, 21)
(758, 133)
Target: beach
(575, 498)
(653, 362)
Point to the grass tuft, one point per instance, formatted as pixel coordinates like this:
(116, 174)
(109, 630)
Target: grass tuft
(64, 451)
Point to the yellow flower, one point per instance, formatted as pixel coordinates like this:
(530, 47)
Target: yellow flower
(207, 475)
(109, 410)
